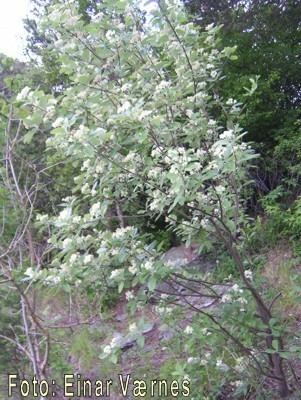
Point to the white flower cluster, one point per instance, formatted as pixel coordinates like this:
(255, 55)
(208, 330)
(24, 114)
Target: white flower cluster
(133, 269)
(126, 106)
(219, 149)
(221, 365)
(188, 330)
(23, 95)
(235, 294)
(229, 134)
(42, 218)
(95, 210)
(163, 310)
(116, 273)
(192, 360)
(79, 135)
(122, 233)
(161, 86)
(148, 265)
(248, 274)
(158, 201)
(129, 295)
(108, 349)
(65, 215)
(133, 327)
(204, 361)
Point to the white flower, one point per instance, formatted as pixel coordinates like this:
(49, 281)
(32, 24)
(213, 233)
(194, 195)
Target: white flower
(124, 107)
(230, 101)
(129, 295)
(110, 34)
(73, 258)
(154, 172)
(99, 167)
(121, 232)
(205, 332)
(226, 298)
(221, 365)
(52, 279)
(162, 85)
(189, 113)
(80, 133)
(30, 272)
(211, 123)
(160, 310)
(130, 157)
(42, 218)
(107, 349)
(235, 288)
(219, 362)
(220, 189)
(76, 219)
(148, 265)
(88, 258)
(115, 252)
(86, 164)
(85, 188)
(95, 209)
(125, 87)
(248, 274)
(133, 327)
(213, 165)
(157, 151)
(133, 269)
(191, 360)
(203, 362)
(66, 243)
(144, 114)
(114, 342)
(23, 94)
(65, 215)
(188, 330)
(115, 273)
(209, 27)
(219, 150)
(205, 223)
(227, 134)
(239, 364)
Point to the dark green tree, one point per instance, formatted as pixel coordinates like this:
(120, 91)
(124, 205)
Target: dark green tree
(268, 38)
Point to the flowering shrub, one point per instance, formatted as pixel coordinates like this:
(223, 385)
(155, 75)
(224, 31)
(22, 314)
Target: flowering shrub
(149, 138)
(138, 120)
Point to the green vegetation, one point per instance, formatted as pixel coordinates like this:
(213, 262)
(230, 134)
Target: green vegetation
(149, 198)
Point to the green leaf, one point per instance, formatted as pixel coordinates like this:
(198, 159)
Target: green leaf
(151, 284)
(120, 286)
(140, 341)
(27, 138)
(275, 344)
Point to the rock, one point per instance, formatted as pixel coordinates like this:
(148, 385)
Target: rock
(166, 334)
(119, 317)
(148, 328)
(180, 259)
(179, 256)
(123, 342)
(127, 341)
(187, 257)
